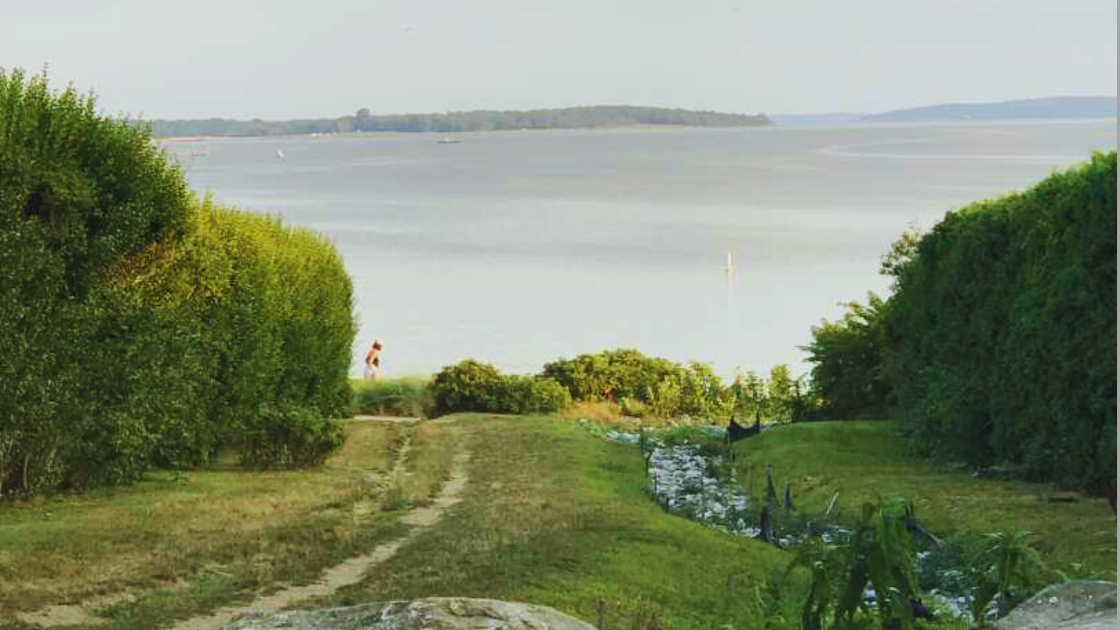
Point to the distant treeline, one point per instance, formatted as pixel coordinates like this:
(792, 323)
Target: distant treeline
(478, 120)
(998, 344)
(140, 326)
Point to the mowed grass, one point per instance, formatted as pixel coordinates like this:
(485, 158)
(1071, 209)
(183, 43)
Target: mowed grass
(556, 516)
(185, 545)
(861, 460)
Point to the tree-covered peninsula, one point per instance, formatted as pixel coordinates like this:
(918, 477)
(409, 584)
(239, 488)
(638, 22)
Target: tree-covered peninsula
(595, 117)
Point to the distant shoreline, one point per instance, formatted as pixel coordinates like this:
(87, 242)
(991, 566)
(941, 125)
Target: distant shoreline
(595, 117)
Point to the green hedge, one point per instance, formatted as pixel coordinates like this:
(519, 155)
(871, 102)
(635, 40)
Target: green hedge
(1001, 333)
(141, 326)
(662, 387)
(77, 193)
(266, 314)
(474, 386)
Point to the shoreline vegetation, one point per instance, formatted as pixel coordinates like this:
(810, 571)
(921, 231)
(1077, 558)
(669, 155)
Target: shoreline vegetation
(592, 117)
(173, 416)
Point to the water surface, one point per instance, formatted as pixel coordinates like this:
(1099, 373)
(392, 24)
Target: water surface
(517, 248)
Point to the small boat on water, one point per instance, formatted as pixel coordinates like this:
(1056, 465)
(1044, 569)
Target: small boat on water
(449, 140)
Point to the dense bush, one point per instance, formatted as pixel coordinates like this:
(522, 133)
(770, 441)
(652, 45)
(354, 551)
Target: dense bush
(653, 385)
(288, 438)
(529, 394)
(466, 386)
(847, 358)
(77, 193)
(474, 386)
(139, 326)
(999, 341)
(268, 315)
(1001, 333)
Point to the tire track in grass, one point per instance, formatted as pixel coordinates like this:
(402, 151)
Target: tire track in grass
(353, 570)
(341, 575)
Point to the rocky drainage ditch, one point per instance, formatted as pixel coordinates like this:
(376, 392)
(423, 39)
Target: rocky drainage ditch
(692, 482)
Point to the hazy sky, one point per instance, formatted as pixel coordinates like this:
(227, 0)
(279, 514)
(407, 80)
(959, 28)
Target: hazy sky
(324, 58)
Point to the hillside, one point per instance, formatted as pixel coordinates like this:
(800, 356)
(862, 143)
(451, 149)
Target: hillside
(1055, 108)
(599, 116)
(551, 513)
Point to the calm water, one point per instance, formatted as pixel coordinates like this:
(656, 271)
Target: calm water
(520, 247)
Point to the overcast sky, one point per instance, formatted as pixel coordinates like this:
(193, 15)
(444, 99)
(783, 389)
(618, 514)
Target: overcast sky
(324, 58)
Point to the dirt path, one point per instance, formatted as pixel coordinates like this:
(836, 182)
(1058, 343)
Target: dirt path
(351, 571)
(344, 574)
(385, 419)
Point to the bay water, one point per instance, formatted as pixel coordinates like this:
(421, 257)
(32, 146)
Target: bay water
(520, 247)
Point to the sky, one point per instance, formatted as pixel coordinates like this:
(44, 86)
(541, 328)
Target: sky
(326, 58)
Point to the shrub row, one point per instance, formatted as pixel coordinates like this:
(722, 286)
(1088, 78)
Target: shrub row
(264, 317)
(1002, 330)
(663, 388)
(998, 343)
(141, 326)
(641, 385)
(474, 386)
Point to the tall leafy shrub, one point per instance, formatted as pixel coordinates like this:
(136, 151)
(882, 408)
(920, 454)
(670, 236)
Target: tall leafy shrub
(1001, 334)
(474, 386)
(78, 192)
(267, 310)
(665, 387)
(847, 357)
(139, 326)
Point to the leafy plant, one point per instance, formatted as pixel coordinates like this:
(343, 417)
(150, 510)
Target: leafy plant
(877, 553)
(1012, 566)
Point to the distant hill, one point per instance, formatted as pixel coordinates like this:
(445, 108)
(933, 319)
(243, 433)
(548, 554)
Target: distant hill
(598, 116)
(1058, 107)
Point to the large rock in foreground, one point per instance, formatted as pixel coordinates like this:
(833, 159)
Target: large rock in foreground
(433, 613)
(1070, 606)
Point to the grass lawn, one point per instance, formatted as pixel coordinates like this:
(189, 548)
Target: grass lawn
(556, 516)
(862, 459)
(183, 545)
(551, 514)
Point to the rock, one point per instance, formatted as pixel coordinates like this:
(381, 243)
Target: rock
(433, 613)
(1069, 606)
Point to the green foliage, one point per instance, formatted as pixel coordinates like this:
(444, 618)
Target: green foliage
(823, 562)
(141, 326)
(478, 120)
(661, 387)
(268, 312)
(1001, 334)
(1011, 569)
(78, 192)
(287, 438)
(633, 407)
(528, 394)
(474, 386)
(879, 553)
(407, 396)
(847, 362)
(466, 386)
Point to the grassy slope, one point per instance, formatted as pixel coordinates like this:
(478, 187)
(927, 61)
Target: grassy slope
(551, 515)
(860, 459)
(555, 516)
(224, 533)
